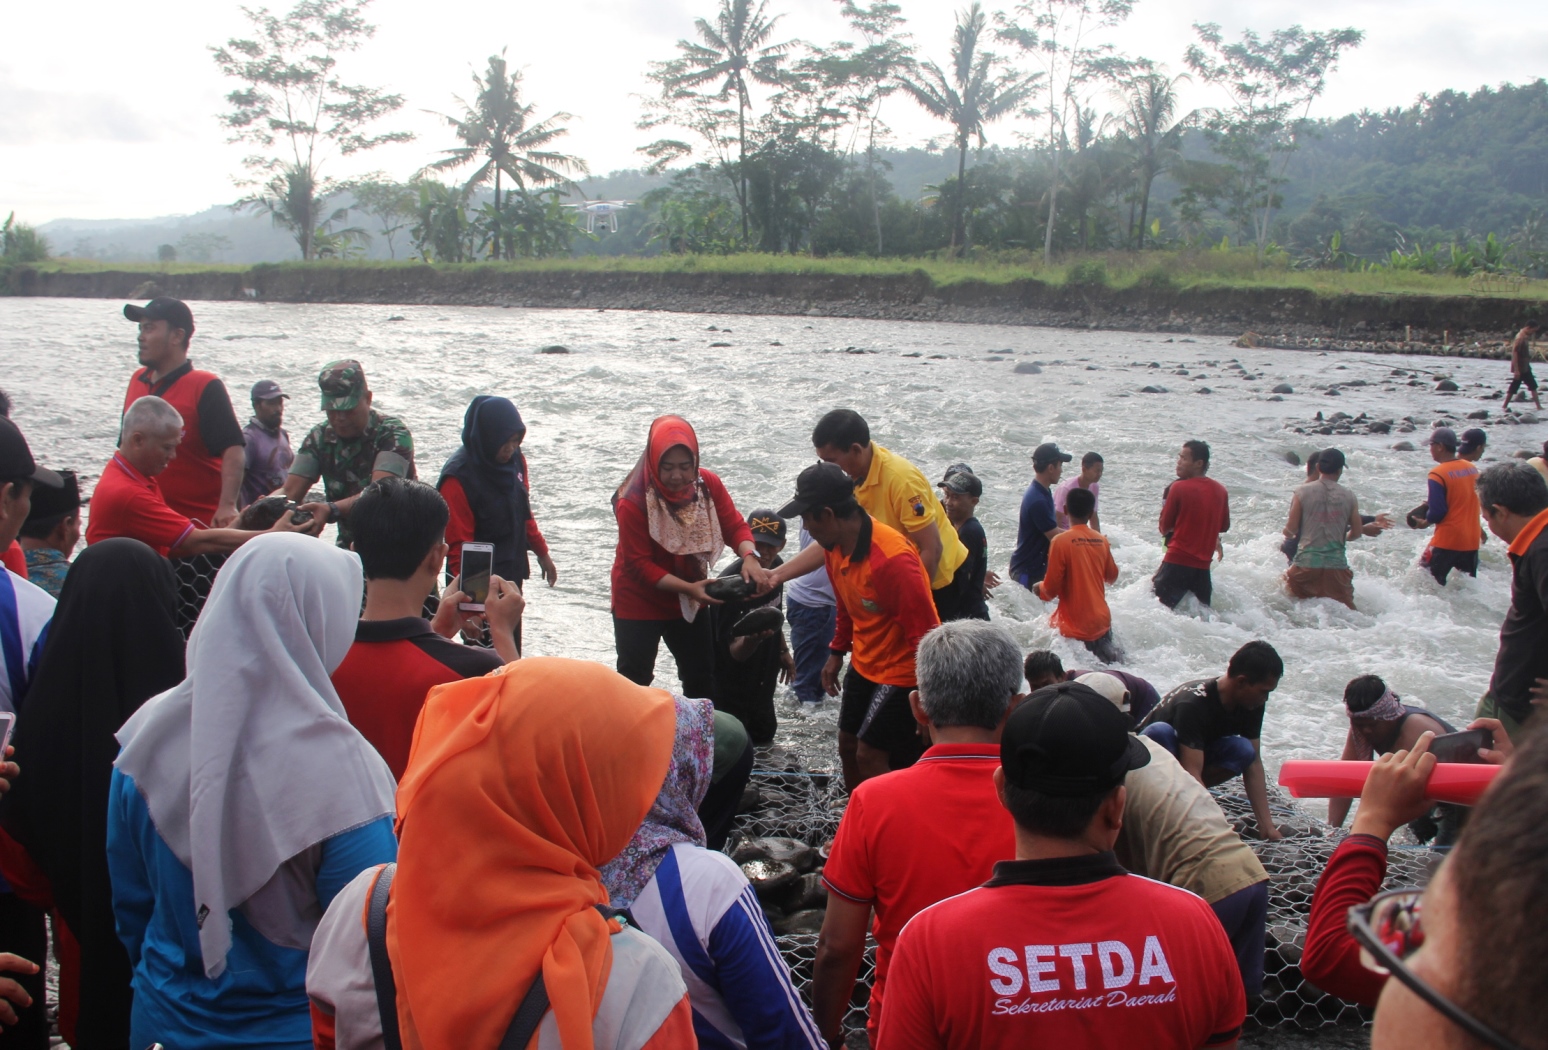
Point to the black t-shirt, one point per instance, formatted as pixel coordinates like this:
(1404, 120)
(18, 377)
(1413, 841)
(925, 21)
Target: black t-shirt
(745, 688)
(977, 543)
(1523, 655)
(1195, 711)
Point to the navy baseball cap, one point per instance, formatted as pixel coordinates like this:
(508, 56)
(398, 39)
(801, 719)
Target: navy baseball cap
(962, 481)
(162, 308)
(267, 390)
(1048, 454)
(1472, 438)
(819, 485)
(1445, 437)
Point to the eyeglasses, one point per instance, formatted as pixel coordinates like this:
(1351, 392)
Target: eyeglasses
(1389, 932)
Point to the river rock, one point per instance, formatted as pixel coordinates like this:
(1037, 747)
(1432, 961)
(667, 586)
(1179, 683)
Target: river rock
(751, 799)
(1526, 417)
(763, 618)
(1028, 368)
(718, 345)
(1152, 389)
(1482, 413)
(1446, 386)
(1403, 446)
(1283, 388)
(794, 852)
(1203, 390)
(768, 877)
(809, 921)
(729, 588)
(1292, 459)
(555, 349)
(807, 892)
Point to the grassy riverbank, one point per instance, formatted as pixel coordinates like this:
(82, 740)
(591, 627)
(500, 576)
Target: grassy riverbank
(1116, 270)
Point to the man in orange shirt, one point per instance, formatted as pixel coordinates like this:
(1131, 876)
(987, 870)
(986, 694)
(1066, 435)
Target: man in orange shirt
(1080, 566)
(884, 607)
(1452, 508)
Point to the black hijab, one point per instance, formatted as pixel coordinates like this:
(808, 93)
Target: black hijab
(113, 645)
(496, 492)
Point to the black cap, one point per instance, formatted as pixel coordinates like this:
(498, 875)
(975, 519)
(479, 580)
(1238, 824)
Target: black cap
(767, 527)
(51, 506)
(16, 459)
(962, 481)
(1069, 741)
(1472, 438)
(819, 485)
(163, 308)
(1048, 454)
(1330, 461)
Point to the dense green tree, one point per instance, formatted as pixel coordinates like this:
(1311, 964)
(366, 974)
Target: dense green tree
(1067, 38)
(1152, 131)
(391, 204)
(294, 107)
(976, 92)
(497, 135)
(20, 243)
(1272, 83)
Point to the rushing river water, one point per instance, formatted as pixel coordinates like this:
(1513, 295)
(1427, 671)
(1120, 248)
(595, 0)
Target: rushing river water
(936, 393)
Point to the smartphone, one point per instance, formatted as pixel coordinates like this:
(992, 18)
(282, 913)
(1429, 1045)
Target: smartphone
(477, 562)
(299, 516)
(1461, 747)
(7, 723)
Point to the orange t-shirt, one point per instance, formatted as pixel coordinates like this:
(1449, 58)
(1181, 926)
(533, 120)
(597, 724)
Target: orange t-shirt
(1462, 527)
(884, 604)
(1080, 566)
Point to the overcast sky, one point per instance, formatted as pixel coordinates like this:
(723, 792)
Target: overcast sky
(108, 110)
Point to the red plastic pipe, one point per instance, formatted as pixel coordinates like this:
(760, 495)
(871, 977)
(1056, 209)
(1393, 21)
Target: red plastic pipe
(1458, 782)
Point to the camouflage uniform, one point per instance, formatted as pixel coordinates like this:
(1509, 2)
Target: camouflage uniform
(346, 464)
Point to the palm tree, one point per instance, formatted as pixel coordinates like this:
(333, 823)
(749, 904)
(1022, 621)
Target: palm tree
(975, 93)
(495, 130)
(1148, 124)
(735, 48)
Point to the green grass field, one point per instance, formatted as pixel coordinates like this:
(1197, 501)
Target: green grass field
(1180, 270)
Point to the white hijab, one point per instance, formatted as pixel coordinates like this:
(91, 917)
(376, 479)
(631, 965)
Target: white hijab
(251, 760)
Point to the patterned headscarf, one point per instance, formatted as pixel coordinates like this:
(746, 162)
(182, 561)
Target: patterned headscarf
(674, 817)
(1388, 709)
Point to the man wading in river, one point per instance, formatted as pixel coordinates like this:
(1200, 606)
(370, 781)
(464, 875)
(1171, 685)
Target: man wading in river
(1521, 364)
(1326, 516)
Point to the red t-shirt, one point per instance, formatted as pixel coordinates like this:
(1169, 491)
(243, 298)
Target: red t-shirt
(127, 503)
(641, 562)
(1196, 513)
(15, 559)
(1072, 952)
(387, 673)
(1331, 960)
(917, 836)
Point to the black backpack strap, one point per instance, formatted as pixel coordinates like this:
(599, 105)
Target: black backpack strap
(534, 1007)
(381, 965)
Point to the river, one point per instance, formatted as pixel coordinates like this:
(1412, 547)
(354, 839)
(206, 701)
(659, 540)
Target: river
(936, 393)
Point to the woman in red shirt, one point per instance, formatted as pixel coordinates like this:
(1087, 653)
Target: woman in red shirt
(485, 485)
(673, 520)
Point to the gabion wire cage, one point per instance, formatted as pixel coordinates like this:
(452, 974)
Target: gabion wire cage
(786, 800)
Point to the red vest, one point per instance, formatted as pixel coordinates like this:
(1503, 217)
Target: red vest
(191, 482)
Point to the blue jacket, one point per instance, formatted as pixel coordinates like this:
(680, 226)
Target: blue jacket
(260, 1000)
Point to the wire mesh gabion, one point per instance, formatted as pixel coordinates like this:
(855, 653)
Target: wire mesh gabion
(784, 800)
(195, 577)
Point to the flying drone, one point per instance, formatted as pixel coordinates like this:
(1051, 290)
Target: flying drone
(605, 212)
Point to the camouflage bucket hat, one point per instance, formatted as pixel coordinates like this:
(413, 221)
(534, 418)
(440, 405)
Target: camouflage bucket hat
(342, 384)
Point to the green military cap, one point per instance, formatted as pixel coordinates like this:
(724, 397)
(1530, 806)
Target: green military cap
(343, 384)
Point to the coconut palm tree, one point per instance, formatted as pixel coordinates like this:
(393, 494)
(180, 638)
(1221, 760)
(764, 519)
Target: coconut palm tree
(494, 129)
(1148, 123)
(976, 92)
(733, 50)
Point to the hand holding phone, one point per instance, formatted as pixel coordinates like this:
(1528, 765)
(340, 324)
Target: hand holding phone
(477, 565)
(1461, 747)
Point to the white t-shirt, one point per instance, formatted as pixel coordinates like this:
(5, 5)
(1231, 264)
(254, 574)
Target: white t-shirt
(1062, 493)
(25, 613)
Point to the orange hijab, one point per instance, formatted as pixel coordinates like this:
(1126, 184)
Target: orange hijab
(520, 785)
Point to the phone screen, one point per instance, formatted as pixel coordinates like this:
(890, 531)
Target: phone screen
(477, 561)
(7, 723)
(1461, 747)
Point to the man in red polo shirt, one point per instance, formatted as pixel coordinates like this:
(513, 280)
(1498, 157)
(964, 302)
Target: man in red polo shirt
(128, 499)
(1194, 515)
(398, 656)
(922, 834)
(884, 607)
(203, 482)
(1063, 947)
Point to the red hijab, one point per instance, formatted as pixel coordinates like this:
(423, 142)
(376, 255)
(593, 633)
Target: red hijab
(666, 433)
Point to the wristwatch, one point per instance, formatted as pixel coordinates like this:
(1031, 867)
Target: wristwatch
(333, 512)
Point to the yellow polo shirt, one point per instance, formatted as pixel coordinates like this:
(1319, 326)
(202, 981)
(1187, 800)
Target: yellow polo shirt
(896, 493)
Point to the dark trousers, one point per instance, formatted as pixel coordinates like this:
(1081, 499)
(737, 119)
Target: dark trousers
(1172, 582)
(22, 932)
(724, 798)
(692, 645)
(1244, 915)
